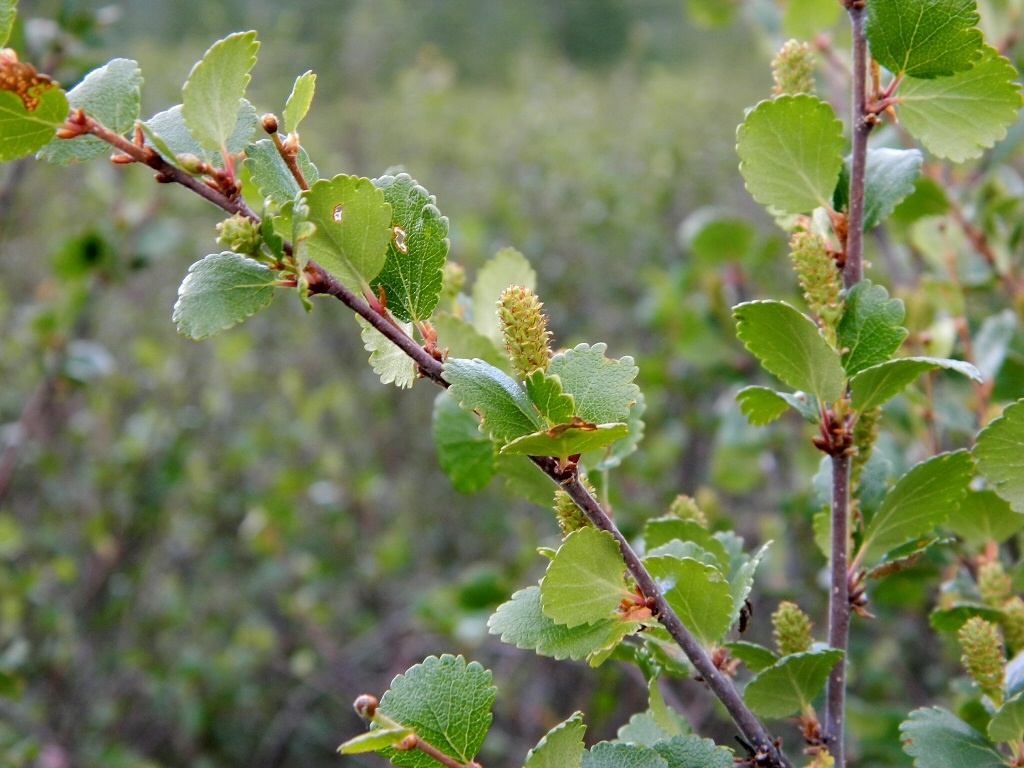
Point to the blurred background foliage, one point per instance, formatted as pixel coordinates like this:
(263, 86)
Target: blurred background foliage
(208, 550)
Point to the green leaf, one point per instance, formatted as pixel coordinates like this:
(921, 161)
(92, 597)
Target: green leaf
(220, 291)
(921, 499)
(789, 345)
(985, 516)
(697, 592)
(603, 388)
(504, 407)
(762, 405)
(109, 94)
(412, 274)
(877, 385)
(508, 267)
(924, 38)
(586, 580)
(889, 177)
(215, 88)
(561, 747)
(28, 124)
(869, 332)
(613, 455)
(461, 339)
(936, 738)
(8, 12)
(716, 235)
(790, 152)
(791, 685)
(1000, 455)
(608, 754)
(1007, 724)
(521, 622)
(168, 134)
(756, 657)
(992, 342)
(387, 360)
(298, 101)
(353, 228)
(566, 440)
(928, 199)
(905, 556)
(662, 530)
(466, 456)
(374, 740)
(447, 702)
(959, 117)
(952, 618)
(690, 751)
(742, 581)
(806, 19)
(546, 393)
(270, 173)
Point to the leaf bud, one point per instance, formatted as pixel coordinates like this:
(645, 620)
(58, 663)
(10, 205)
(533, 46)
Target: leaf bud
(1013, 624)
(792, 629)
(191, 164)
(240, 234)
(366, 706)
(570, 517)
(983, 656)
(793, 69)
(685, 507)
(525, 329)
(407, 744)
(994, 583)
(269, 123)
(820, 279)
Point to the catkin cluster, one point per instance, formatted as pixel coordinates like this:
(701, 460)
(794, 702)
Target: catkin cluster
(524, 327)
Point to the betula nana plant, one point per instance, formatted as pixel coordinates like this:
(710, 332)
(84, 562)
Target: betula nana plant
(924, 79)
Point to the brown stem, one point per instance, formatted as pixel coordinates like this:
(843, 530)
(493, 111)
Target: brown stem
(290, 159)
(863, 122)
(839, 606)
(449, 762)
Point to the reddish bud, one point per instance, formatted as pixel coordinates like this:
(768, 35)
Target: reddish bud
(366, 706)
(269, 123)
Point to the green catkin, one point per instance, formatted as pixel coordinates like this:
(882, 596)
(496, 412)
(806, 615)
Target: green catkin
(793, 69)
(524, 327)
(819, 278)
(865, 433)
(994, 584)
(454, 279)
(792, 629)
(240, 234)
(1013, 624)
(570, 517)
(685, 508)
(983, 656)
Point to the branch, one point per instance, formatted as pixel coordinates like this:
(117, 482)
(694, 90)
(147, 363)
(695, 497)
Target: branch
(839, 606)
(863, 122)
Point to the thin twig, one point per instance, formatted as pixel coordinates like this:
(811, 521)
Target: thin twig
(863, 122)
(839, 606)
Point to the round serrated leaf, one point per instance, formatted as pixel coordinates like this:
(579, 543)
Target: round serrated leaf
(791, 152)
(697, 592)
(959, 117)
(924, 38)
(29, 123)
(869, 332)
(561, 747)
(1000, 455)
(299, 100)
(936, 738)
(889, 177)
(602, 388)
(467, 456)
(586, 580)
(8, 12)
(353, 228)
(505, 410)
(792, 684)
(880, 383)
(508, 267)
(220, 291)
(215, 87)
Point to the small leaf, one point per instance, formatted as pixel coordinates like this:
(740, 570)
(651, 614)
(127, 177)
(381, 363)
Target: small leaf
(742, 581)
(697, 592)
(662, 530)
(1007, 724)
(8, 12)
(985, 516)
(521, 622)
(691, 751)
(805, 19)
(869, 332)
(1000, 455)
(992, 341)
(504, 407)
(353, 228)
(586, 580)
(461, 339)
(271, 175)
(566, 440)
(220, 291)
(790, 152)
(608, 754)
(546, 393)
(959, 117)
(952, 618)
(168, 134)
(215, 88)
(936, 738)
(109, 94)
(877, 385)
(447, 702)
(762, 405)
(789, 345)
(388, 361)
(561, 747)
(412, 274)
(298, 101)
(374, 740)
(508, 267)
(924, 38)
(32, 107)
(602, 388)
(921, 499)
(889, 177)
(467, 456)
(756, 657)
(905, 556)
(613, 455)
(792, 684)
